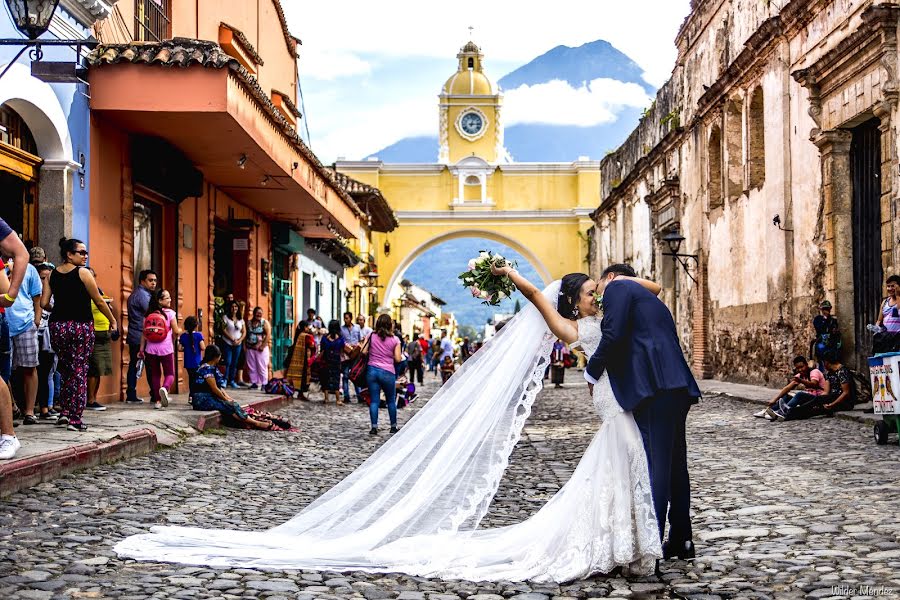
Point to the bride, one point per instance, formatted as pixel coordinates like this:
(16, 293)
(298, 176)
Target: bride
(414, 506)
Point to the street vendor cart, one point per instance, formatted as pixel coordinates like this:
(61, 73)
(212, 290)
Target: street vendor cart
(884, 371)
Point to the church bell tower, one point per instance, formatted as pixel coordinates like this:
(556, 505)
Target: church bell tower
(470, 113)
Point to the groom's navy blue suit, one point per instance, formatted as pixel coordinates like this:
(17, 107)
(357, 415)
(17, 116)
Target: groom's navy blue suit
(650, 378)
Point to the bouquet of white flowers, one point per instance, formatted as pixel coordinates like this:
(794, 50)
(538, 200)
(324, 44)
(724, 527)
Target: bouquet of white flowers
(483, 284)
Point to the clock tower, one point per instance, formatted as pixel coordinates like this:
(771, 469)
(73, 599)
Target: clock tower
(470, 113)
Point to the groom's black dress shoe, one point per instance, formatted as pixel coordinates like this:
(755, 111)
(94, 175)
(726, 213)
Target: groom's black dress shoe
(682, 550)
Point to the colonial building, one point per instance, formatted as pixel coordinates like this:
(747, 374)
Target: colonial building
(419, 311)
(475, 189)
(198, 170)
(772, 151)
(44, 132)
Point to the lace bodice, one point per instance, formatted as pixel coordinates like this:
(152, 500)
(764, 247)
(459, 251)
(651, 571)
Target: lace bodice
(589, 335)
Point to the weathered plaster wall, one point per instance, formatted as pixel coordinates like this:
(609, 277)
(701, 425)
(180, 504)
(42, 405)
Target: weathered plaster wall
(733, 168)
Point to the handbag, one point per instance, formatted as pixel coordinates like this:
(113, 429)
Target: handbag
(359, 366)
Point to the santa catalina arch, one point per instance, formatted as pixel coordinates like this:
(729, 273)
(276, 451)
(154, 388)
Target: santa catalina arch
(475, 189)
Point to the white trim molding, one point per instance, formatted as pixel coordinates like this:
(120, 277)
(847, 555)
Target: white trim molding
(88, 12)
(460, 213)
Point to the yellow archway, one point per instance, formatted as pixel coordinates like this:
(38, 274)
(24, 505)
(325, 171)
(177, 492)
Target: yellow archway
(393, 289)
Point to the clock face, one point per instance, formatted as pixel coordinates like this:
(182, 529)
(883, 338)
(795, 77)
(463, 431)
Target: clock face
(471, 123)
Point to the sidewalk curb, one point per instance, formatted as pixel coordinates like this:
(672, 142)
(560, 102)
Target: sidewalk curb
(23, 473)
(856, 416)
(213, 419)
(20, 474)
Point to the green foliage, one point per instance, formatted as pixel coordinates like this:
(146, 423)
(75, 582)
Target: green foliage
(672, 120)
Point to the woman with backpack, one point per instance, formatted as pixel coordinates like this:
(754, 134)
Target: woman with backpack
(72, 327)
(158, 346)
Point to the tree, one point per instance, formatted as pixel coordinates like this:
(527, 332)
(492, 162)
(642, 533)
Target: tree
(518, 307)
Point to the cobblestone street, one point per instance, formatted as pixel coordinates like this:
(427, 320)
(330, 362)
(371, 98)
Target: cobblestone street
(805, 509)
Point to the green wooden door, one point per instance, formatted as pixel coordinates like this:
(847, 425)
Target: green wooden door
(282, 308)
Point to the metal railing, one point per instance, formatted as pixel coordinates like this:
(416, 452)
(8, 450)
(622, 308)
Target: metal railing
(152, 20)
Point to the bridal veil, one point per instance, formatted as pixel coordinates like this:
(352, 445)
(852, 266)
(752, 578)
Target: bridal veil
(438, 475)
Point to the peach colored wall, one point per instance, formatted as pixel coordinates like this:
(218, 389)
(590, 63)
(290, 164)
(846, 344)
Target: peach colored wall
(109, 246)
(108, 150)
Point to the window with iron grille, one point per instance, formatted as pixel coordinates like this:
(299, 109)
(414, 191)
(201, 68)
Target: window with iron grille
(152, 20)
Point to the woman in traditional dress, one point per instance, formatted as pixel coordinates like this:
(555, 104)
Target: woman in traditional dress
(297, 367)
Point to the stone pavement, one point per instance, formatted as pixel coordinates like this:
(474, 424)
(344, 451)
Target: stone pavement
(803, 509)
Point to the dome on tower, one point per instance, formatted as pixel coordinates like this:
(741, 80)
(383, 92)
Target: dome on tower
(469, 79)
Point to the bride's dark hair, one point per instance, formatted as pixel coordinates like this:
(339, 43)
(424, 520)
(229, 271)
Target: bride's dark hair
(569, 292)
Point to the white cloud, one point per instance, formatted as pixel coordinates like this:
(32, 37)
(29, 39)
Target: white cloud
(558, 103)
(360, 96)
(507, 30)
(332, 63)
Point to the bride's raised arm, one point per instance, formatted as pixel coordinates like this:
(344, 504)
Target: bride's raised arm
(561, 327)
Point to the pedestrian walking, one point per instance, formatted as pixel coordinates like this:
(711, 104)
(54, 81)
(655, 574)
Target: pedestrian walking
(23, 319)
(10, 246)
(72, 327)
(258, 333)
(352, 335)
(558, 363)
(158, 346)
(193, 345)
(416, 366)
(447, 369)
(138, 305)
(383, 349)
(46, 354)
(333, 347)
(101, 359)
(233, 339)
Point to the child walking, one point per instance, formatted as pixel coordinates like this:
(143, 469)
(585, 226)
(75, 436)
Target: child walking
(193, 345)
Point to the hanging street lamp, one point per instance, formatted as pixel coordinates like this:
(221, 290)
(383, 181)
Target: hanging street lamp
(32, 18)
(673, 240)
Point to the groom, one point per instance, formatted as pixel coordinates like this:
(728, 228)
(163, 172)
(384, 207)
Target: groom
(650, 378)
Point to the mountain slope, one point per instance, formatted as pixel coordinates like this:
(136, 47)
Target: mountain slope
(532, 142)
(436, 270)
(577, 66)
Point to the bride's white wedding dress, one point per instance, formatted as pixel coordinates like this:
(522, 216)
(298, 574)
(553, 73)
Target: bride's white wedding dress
(414, 506)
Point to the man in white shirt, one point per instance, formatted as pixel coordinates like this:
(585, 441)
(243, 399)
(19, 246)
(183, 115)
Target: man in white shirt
(446, 346)
(364, 330)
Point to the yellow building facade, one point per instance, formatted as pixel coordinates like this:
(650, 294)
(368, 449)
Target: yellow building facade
(475, 189)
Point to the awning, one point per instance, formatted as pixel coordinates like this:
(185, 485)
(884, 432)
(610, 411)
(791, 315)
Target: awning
(336, 251)
(286, 239)
(370, 201)
(204, 102)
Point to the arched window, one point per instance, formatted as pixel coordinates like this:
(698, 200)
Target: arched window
(714, 167)
(19, 174)
(734, 129)
(471, 63)
(756, 152)
(473, 180)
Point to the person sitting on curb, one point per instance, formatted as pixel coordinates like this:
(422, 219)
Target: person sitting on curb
(208, 391)
(839, 394)
(811, 380)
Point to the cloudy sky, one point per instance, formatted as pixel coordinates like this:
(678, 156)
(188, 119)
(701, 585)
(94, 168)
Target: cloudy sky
(370, 72)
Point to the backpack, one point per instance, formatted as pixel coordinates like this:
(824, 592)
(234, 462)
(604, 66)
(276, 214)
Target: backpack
(862, 387)
(156, 327)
